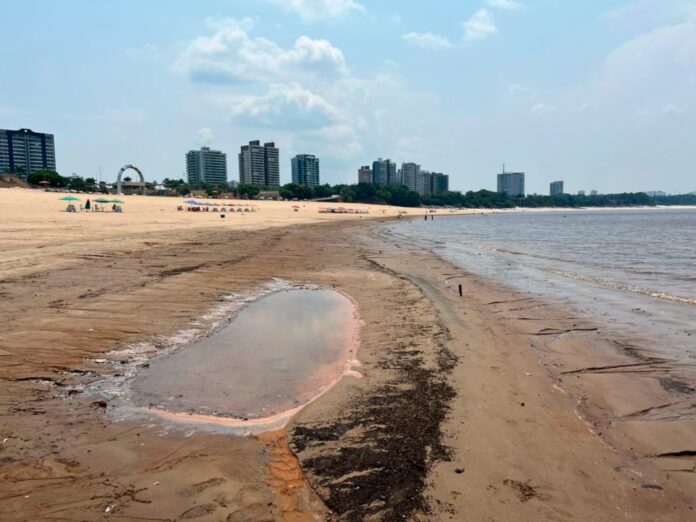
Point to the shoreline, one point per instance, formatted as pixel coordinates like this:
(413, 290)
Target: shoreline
(446, 420)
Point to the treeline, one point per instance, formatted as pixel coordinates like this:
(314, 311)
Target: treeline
(51, 178)
(396, 195)
(400, 196)
(183, 188)
(681, 199)
(627, 199)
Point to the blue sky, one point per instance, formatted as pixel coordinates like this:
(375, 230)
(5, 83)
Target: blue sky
(601, 94)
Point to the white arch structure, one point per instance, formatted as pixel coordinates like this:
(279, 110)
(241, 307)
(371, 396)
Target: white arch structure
(120, 173)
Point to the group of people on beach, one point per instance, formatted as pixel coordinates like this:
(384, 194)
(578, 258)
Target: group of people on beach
(181, 208)
(94, 208)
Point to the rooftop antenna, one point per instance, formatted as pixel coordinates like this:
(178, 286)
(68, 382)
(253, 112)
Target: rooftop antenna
(503, 168)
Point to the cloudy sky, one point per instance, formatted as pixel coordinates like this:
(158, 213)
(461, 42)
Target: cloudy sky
(599, 93)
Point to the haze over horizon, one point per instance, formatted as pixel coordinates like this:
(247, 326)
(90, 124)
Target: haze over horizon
(600, 94)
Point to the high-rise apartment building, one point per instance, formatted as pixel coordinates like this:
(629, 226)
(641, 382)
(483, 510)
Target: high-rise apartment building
(432, 183)
(206, 166)
(259, 165)
(365, 174)
(440, 183)
(305, 169)
(384, 172)
(511, 183)
(24, 151)
(409, 175)
(556, 188)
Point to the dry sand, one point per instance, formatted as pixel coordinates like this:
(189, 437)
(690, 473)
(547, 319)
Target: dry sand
(456, 418)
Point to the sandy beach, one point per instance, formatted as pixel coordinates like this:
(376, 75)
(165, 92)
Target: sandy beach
(491, 406)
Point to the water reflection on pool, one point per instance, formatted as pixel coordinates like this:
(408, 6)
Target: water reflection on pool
(278, 353)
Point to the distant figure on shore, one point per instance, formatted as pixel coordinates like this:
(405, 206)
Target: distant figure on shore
(88, 205)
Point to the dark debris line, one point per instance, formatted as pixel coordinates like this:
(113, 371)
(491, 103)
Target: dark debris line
(382, 475)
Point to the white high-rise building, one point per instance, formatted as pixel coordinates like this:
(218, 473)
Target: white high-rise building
(206, 166)
(409, 175)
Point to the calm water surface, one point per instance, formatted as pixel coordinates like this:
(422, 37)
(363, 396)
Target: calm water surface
(634, 268)
(277, 353)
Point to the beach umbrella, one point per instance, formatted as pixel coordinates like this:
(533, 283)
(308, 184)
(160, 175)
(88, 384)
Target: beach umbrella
(70, 198)
(117, 201)
(102, 200)
(191, 202)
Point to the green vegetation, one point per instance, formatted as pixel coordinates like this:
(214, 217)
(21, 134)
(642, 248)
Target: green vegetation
(397, 195)
(602, 200)
(52, 177)
(682, 199)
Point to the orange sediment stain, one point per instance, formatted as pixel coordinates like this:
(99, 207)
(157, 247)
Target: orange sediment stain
(297, 500)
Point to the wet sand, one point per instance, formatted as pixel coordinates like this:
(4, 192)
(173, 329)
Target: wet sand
(464, 411)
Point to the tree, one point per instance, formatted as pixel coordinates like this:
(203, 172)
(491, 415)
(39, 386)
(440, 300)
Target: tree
(54, 179)
(183, 189)
(248, 191)
(75, 182)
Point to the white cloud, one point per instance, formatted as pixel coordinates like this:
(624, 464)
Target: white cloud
(506, 5)
(337, 141)
(670, 110)
(313, 10)
(667, 111)
(514, 89)
(287, 106)
(205, 136)
(479, 26)
(432, 41)
(540, 109)
(231, 55)
(659, 64)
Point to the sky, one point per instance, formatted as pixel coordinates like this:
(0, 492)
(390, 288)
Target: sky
(598, 93)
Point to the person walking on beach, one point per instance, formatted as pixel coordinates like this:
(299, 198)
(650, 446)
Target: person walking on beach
(88, 205)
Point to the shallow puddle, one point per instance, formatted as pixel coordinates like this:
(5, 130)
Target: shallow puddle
(277, 354)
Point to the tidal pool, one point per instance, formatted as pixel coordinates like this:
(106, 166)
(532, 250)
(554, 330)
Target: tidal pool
(277, 354)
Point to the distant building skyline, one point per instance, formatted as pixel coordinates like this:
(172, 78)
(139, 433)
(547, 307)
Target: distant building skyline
(556, 188)
(384, 172)
(511, 183)
(365, 174)
(432, 183)
(259, 165)
(305, 170)
(206, 166)
(409, 175)
(25, 151)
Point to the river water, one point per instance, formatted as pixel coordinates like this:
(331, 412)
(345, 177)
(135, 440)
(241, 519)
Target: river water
(633, 269)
